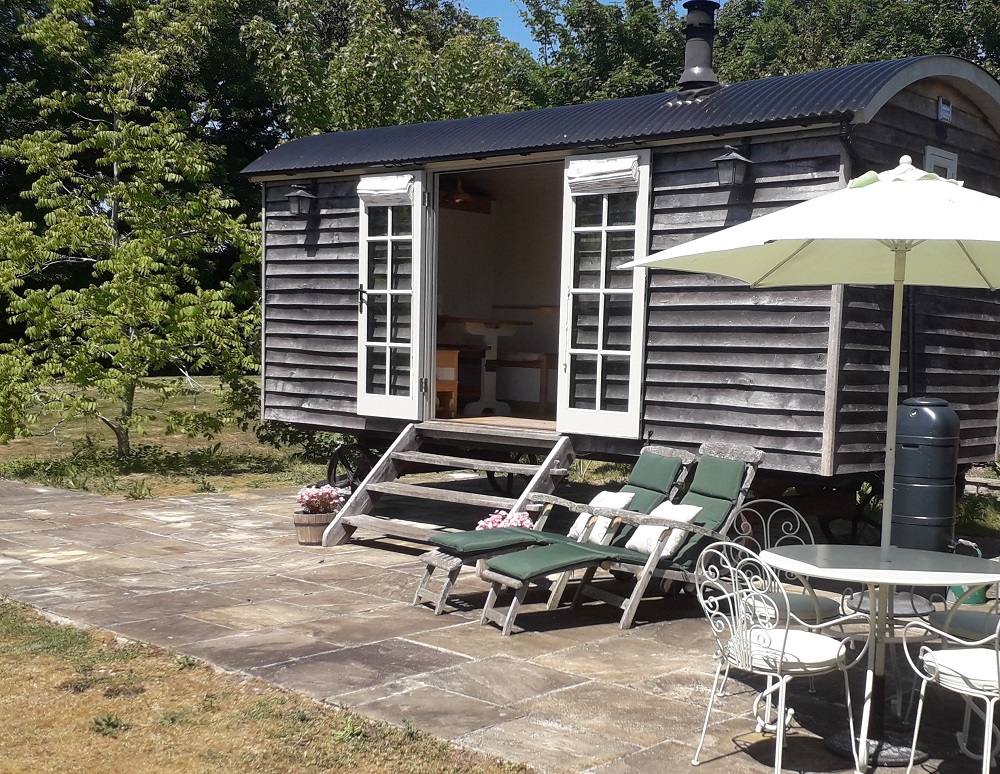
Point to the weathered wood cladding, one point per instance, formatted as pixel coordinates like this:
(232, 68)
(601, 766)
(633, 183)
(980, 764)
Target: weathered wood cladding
(954, 331)
(311, 310)
(724, 361)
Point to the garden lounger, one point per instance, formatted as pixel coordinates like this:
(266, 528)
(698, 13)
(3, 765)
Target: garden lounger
(654, 478)
(720, 485)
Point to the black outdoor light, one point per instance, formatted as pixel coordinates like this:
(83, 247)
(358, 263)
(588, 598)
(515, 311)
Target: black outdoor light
(733, 166)
(300, 199)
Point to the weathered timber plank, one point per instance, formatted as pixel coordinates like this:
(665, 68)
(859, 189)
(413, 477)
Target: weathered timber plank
(465, 463)
(305, 240)
(334, 345)
(392, 527)
(280, 255)
(321, 403)
(441, 495)
(679, 316)
(739, 420)
(734, 398)
(758, 380)
(319, 298)
(737, 338)
(275, 285)
(310, 388)
(474, 430)
(304, 357)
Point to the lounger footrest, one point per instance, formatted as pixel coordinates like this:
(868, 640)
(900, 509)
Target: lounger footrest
(441, 560)
(504, 580)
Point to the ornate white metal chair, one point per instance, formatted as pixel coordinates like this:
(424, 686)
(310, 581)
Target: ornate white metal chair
(748, 610)
(765, 523)
(971, 669)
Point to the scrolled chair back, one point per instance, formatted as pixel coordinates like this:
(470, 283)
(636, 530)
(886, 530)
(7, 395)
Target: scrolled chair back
(765, 523)
(744, 603)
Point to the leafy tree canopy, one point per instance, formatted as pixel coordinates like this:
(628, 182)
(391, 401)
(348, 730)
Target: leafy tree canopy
(353, 64)
(760, 38)
(592, 51)
(111, 284)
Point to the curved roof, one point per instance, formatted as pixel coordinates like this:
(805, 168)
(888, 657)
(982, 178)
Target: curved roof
(852, 93)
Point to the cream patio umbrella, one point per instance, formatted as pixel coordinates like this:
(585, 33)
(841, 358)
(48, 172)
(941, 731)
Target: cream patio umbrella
(901, 227)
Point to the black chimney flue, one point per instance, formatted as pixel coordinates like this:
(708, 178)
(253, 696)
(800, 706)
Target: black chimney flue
(699, 30)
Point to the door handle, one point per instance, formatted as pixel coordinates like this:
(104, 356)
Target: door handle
(361, 298)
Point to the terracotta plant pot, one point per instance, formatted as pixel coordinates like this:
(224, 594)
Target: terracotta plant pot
(309, 527)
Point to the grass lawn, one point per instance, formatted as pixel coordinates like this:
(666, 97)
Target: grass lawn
(80, 701)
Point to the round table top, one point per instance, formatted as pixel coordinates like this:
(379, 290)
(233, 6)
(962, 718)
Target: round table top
(864, 564)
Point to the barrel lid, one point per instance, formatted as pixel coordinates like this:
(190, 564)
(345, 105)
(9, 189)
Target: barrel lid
(925, 401)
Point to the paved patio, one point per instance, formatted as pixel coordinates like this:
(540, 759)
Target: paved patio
(221, 577)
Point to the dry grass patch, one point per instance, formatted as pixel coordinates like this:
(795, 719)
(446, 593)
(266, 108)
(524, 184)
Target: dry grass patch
(82, 701)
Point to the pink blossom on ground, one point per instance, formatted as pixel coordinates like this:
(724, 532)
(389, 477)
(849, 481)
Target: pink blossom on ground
(503, 519)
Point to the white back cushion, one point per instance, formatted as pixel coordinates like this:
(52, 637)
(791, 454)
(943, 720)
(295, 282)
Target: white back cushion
(601, 500)
(644, 538)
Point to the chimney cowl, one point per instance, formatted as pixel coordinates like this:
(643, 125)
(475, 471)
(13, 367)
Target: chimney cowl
(699, 29)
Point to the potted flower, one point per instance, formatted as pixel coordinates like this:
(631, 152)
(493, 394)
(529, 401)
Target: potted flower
(319, 505)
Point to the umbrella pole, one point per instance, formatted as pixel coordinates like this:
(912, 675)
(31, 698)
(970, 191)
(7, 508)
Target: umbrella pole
(896, 332)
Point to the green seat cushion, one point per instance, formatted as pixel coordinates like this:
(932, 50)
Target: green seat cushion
(543, 560)
(966, 624)
(718, 478)
(643, 500)
(485, 540)
(811, 610)
(651, 480)
(655, 472)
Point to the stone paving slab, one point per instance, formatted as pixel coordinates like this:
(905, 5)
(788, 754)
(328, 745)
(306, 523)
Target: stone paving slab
(220, 577)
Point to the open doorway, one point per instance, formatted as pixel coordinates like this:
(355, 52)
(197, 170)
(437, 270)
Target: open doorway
(498, 275)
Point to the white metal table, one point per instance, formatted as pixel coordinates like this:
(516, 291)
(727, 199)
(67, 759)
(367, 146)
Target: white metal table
(881, 572)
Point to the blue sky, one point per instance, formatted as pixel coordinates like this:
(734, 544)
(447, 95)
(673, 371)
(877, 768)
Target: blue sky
(510, 21)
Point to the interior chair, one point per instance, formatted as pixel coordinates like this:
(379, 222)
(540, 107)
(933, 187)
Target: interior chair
(969, 668)
(446, 383)
(743, 601)
(656, 476)
(647, 546)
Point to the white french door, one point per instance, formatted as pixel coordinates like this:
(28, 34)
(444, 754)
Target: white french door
(390, 298)
(602, 317)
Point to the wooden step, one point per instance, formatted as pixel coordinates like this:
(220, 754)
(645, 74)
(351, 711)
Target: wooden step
(392, 527)
(442, 495)
(465, 463)
(492, 436)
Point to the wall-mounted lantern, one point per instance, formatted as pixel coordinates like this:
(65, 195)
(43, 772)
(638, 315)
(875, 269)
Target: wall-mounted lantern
(300, 199)
(733, 166)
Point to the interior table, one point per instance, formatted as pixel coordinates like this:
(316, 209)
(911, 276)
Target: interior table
(489, 330)
(865, 565)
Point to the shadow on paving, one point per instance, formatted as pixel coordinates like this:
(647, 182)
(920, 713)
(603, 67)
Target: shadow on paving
(221, 577)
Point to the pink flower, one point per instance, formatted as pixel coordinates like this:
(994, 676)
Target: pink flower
(322, 499)
(503, 519)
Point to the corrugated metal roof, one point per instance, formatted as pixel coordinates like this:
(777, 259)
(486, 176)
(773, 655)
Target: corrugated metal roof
(826, 95)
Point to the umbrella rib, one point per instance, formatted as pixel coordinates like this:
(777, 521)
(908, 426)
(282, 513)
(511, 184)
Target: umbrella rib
(773, 269)
(975, 265)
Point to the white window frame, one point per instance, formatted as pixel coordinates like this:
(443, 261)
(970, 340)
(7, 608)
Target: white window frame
(598, 422)
(393, 190)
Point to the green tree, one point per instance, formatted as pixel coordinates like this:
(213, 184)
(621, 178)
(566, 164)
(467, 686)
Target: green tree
(354, 64)
(760, 38)
(109, 286)
(592, 51)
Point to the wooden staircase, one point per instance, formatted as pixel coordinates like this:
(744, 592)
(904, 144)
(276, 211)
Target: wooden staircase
(467, 447)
